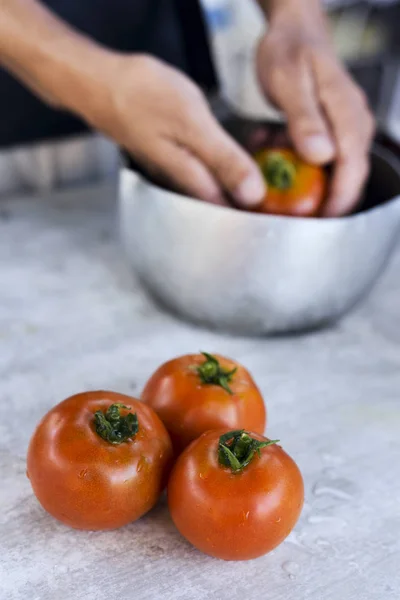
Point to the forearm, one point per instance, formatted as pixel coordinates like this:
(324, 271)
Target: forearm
(51, 58)
(290, 16)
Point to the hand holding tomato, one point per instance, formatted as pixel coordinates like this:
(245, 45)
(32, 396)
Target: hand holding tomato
(329, 120)
(198, 392)
(99, 460)
(235, 495)
(294, 187)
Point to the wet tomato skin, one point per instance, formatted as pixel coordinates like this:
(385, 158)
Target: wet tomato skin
(188, 407)
(88, 483)
(234, 516)
(304, 196)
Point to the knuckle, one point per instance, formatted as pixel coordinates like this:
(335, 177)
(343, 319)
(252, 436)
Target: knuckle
(308, 123)
(295, 54)
(282, 70)
(190, 124)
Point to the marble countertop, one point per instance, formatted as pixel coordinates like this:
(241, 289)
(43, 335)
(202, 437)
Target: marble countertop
(72, 318)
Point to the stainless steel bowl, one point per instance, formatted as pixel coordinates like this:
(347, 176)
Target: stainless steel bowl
(258, 274)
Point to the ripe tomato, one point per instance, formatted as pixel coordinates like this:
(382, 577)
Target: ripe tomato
(235, 495)
(294, 186)
(99, 460)
(197, 392)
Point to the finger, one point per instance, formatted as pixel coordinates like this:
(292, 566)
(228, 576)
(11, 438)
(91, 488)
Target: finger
(353, 128)
(232, 167)
(349, 178)
(186, 174)
(292, 88)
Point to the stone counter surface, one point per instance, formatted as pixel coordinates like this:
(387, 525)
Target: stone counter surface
(73, 318)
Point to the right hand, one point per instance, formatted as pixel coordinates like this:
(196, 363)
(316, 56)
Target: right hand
(162, 118)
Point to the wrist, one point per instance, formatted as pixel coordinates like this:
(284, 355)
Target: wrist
(292, 10)
(76, 72)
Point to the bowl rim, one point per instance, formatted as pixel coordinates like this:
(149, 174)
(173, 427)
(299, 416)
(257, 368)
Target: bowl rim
(377, 150)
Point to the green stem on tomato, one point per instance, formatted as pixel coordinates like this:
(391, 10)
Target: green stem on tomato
(211, 372)
(278, 171)
(236, 449)
(115, 428)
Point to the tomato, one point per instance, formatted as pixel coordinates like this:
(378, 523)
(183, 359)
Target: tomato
(197, 392)
(294, 187)
(99, 460)
(235, 495)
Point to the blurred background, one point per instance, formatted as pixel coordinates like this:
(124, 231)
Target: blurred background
(365, 35)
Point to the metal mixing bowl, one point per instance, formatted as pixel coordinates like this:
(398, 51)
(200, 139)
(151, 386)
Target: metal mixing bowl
(254, 273)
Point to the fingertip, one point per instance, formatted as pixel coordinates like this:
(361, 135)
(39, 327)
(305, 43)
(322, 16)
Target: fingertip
(251, 190)
(317, 148)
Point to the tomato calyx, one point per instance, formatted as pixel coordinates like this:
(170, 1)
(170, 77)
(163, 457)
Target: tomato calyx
(236, 449)
(211, 373)
(278, 171)
(114, 427)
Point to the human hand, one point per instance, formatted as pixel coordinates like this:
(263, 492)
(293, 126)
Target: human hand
(153, 111)
(163, 120)
(328, 116)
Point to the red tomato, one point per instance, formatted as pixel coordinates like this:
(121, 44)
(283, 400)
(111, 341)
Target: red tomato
(99, 460)
(235, 495)
(198, 392)
(294, 186)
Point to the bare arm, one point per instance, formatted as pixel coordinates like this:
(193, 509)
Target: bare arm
(52, 59)
(149, 108)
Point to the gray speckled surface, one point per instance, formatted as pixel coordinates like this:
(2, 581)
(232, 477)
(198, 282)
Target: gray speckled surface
(72, 317)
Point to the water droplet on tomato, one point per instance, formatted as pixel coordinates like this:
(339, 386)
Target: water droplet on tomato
(141, 464)
(83, 473)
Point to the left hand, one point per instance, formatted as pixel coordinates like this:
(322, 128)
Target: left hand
(328, 115)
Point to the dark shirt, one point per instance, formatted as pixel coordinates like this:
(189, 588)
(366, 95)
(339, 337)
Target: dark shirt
(173, 30)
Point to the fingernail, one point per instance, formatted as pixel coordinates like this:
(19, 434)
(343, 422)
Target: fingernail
(251, 190)
(319, 148)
